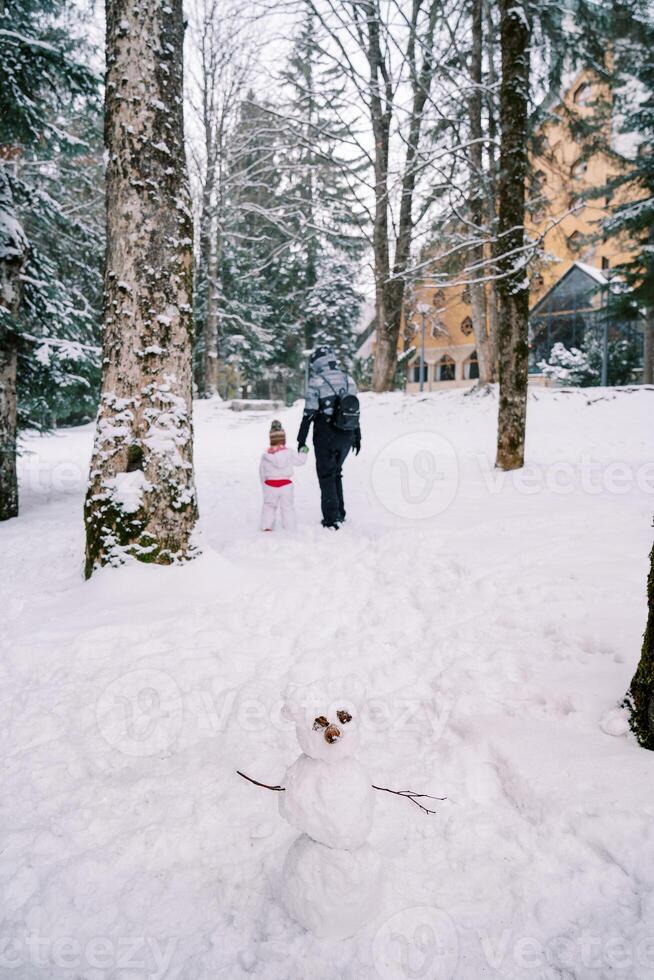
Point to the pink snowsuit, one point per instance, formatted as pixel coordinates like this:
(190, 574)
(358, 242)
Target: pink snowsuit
(276, 471)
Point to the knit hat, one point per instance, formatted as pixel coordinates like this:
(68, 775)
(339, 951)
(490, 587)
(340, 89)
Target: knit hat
(277, 434)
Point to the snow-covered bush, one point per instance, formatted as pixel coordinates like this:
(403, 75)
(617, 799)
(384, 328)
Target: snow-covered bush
(583, 368)
(569, 367)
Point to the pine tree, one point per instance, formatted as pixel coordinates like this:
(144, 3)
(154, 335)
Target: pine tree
(252, 242)
(59, 193)
(141, 498)
(43, 84)
(323, 209)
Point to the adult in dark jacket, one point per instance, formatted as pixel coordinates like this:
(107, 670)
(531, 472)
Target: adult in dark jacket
(326, 380)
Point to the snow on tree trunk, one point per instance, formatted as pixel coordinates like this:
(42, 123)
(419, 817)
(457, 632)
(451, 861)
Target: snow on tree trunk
(640, 698)
(513, 284)
(13, 253)
(8, 478)
(141, 498)
(211, 362)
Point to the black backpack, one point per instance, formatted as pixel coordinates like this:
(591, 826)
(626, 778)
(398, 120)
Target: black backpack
(347, 410)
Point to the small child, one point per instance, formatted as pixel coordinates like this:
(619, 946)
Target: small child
(276, 470)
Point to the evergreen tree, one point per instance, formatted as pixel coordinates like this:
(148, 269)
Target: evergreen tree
(323, 209)
(44, 86)
(252, 242)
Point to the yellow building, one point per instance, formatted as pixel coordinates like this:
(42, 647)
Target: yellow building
(568, 226)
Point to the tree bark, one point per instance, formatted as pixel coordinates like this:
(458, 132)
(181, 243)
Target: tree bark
(513, 283)
(380, 114)
(476, 197)
(8, 476)
(13, 253)
(211, 364)
(491, 181)
(640, 698)
(141, 499)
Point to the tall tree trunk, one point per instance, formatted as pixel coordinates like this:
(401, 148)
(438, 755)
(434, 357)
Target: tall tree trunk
(13, 253)
(640, 698)
(491, 182)
(211, 364)
(476, 197)
(8, 476)
(141, 498)
(380, 112)
(513, 284)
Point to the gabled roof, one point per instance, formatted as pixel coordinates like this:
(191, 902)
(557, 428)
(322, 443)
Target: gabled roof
(594, 277)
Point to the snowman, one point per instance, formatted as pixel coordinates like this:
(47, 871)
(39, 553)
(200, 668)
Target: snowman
(331, 881)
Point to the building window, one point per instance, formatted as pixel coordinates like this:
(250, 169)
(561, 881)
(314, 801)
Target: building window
(466, 327)
(471, 367)
(606, 263)
(583, 94)
(574, 241)
(445, 369)
(439, 297)
(579, 168)
(415, 372)
(438, 328)
(536, 282)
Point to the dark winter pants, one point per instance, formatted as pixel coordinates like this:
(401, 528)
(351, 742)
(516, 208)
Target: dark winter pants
(331, 448)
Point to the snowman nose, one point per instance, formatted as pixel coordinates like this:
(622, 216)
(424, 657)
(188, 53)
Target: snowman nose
(332, 734)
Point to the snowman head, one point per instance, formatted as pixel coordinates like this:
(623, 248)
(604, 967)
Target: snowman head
(325, 725)
(331, 736)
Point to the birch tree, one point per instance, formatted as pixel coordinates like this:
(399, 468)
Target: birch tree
(513, 282)
(141, 498)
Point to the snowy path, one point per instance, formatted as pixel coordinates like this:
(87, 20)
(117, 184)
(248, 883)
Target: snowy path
(487, 641)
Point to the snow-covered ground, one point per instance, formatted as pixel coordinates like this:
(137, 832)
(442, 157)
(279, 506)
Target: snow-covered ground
(488, 623)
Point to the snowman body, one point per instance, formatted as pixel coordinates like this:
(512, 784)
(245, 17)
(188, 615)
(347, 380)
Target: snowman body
(331, 878)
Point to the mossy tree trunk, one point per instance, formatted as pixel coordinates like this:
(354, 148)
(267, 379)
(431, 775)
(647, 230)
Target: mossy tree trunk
(513, 283)
(13, 253)
(640, 698)
(8, 477)
(141, 499)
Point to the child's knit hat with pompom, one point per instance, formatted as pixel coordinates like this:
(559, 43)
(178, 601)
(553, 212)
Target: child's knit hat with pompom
(277, 434)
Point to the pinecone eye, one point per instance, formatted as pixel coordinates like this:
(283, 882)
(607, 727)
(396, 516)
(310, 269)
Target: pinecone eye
(343, 716)
(320, 722)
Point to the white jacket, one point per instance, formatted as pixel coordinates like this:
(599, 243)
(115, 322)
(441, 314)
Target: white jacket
(278, 463)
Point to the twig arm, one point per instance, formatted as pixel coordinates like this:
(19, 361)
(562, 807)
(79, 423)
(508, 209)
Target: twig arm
(277, 789)
(410, 795)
